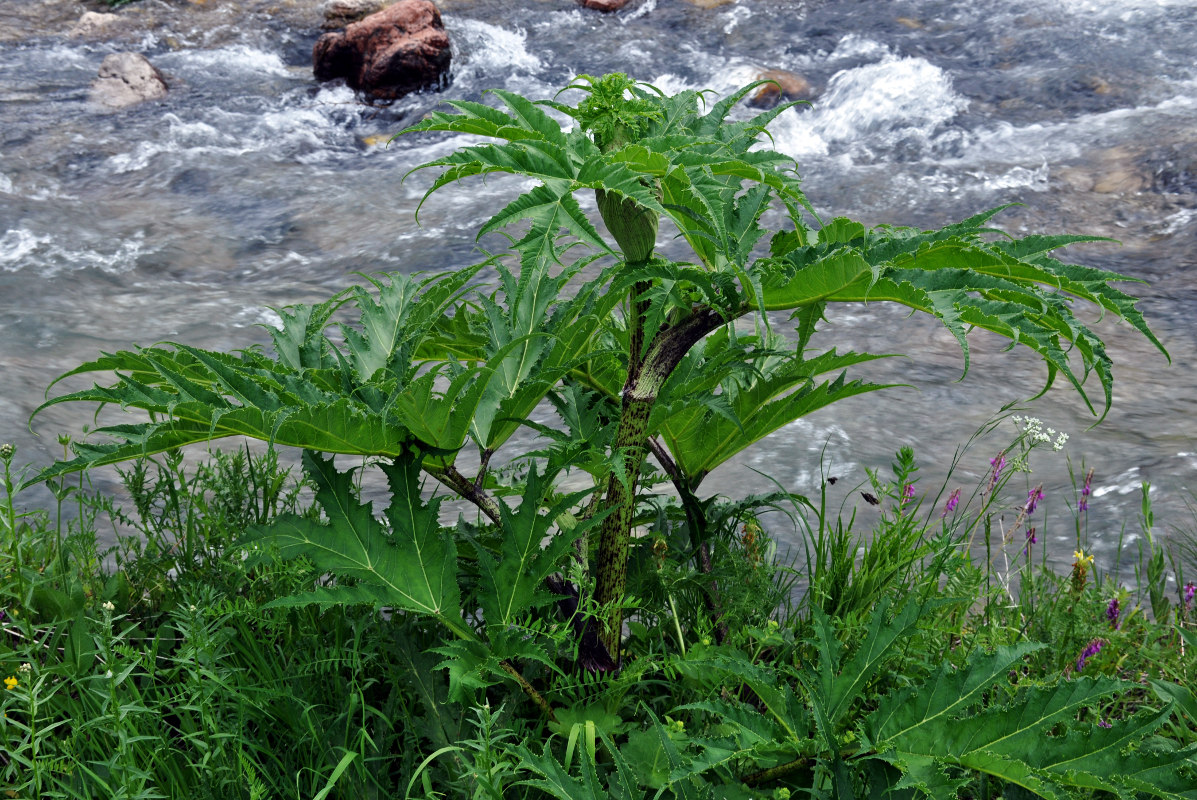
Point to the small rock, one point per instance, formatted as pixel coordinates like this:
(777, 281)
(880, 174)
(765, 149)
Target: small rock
(396, 51)
(93, 23)
(1120, 180)
(126, 79)
(784, 84)
(339, 13)
(606, 6)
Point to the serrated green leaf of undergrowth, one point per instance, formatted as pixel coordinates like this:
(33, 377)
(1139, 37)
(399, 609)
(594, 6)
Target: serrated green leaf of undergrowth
(392, 325)
(413, 566)
(512, 582)
(947, 693)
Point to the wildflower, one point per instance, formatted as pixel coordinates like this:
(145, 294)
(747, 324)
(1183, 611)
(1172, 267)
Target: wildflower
(998, 463)
(7, 451)
(26, 667)
(1112, 614)
(1091, 649)
(1080, 569)
(1190, 590)
(108, 606)
(1101, 723)
(1083, 504)
(953, 501)
(10, 682)
(1031, 539)
(1033, 498)
(1060, 440)
(907, 493)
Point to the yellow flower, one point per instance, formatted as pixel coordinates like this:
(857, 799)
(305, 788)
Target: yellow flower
(10, 683)
(1080, 556)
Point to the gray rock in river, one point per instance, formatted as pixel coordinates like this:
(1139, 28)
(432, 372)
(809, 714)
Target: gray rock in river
(93, 23)
(339, 13)
(127, 79)
(399, 50)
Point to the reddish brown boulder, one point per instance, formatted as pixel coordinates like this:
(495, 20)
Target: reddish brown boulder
(399, 50)
(604, 5)
(784, 84)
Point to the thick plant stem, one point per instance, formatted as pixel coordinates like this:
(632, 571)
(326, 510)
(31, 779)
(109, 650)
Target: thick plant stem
(640, 392)
(536, 697)
(616, 531)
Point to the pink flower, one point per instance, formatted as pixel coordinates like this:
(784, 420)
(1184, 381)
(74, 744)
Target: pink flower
(1083, 503)
(1112, 613)
(1033, 498)
(953, 501)
(1091, 649)
(998, 462)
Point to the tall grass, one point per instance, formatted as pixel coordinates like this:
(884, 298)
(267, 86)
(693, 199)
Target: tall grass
(168, 674)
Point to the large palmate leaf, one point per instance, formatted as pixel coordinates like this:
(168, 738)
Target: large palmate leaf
(927, 730)
(531, 548)
(966, 280)
(365, 396)
(410, 564)
(733, 392)
(684, 164)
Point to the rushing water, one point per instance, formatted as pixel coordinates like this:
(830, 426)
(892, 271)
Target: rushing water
(251, 186)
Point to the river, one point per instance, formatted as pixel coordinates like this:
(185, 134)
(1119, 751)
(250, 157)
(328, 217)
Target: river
(251, 186)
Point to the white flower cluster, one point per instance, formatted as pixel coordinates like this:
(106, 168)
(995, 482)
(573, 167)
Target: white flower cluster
(1036, 434)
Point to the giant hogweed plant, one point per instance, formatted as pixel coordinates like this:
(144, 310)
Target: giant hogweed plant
(637, 351)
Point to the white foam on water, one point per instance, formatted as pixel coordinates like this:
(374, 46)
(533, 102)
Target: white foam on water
(858, 47)
(725, 77)
(492, 51)
(21, 249)
(5, 184)
(1174, 223)
(16, 244)
(884, 100)
(1017, 178)
(1124, 9)
(238, 58)
(735, 16)
(643, 9)
(1123, 483)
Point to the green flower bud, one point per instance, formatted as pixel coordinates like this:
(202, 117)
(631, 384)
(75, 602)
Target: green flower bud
(633, 226)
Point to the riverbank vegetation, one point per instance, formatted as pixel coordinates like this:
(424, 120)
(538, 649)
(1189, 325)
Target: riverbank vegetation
(572, 613)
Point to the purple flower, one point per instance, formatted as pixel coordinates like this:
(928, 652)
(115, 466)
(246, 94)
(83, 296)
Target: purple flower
(953, 501)
(1031, 539)
(1112, 614)
(1190, 590)
(1101, 723)
(1091, 649)
(1033, 498)
(1083, 503)
(998, 463)
(907, 493)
